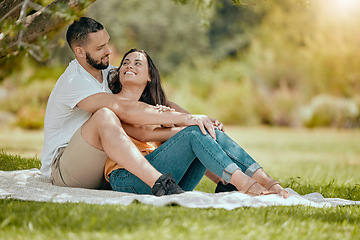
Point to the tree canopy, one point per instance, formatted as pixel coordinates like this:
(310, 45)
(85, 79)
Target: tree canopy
(27, 25)
(286, 62)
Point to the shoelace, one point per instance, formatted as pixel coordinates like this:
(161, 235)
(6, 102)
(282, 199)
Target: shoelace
(167, 184)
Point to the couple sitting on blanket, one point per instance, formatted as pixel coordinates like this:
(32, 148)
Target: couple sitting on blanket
(116, 123)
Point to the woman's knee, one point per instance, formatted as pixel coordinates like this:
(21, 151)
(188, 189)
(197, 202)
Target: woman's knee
(195, 129)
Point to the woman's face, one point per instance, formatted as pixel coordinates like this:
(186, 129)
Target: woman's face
(134, 70)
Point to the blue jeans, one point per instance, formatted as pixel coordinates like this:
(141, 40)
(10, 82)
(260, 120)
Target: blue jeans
(187, 155)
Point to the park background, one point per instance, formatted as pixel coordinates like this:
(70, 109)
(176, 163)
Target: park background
(284, 76)
(276, 63)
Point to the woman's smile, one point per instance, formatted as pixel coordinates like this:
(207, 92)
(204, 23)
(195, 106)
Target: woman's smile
(129, 73)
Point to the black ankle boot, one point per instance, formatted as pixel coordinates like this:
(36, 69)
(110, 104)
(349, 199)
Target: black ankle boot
(166, 185)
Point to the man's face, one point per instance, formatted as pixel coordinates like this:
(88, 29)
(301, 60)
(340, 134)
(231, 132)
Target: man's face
(99, 65)
(97, 50)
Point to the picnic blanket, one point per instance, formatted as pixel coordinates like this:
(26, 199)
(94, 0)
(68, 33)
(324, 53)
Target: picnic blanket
(31, 185)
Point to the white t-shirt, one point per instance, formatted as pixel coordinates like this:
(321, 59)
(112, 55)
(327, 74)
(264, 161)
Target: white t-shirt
(63, 117)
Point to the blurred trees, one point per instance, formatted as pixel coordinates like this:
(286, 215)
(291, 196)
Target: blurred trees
(170, 32)
(286, 62)
(27, 25)
(289, 64)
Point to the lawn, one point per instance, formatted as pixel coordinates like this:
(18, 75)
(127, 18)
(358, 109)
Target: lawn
(320, 160)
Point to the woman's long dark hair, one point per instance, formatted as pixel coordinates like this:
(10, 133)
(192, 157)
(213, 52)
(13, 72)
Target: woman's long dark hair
(153, 93)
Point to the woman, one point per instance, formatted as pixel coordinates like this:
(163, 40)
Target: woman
(186, 152)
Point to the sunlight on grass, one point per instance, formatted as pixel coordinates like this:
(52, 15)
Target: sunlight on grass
(313, 155)
(26, 143)
(320, 160)
(138, 221)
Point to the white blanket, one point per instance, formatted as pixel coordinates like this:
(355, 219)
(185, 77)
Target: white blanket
(31, 185)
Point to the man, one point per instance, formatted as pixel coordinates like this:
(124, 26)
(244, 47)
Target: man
(83, 127)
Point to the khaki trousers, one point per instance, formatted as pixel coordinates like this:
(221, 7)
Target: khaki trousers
(79, 165)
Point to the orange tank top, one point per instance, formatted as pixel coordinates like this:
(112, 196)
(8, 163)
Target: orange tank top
(144, 147)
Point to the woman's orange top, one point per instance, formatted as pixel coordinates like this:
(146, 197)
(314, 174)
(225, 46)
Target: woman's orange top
(144, 147)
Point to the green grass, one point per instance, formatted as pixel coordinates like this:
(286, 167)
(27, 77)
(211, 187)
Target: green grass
(15, 162)
(325, 161)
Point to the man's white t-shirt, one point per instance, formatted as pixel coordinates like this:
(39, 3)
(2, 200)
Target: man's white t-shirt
(63, 117)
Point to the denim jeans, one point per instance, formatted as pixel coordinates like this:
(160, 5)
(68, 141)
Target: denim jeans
(187, 155)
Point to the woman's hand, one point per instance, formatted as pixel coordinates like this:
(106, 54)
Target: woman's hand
(162, 108)
(219, 125)
(204, 123)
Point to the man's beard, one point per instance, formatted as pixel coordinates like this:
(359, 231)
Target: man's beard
(92, 62)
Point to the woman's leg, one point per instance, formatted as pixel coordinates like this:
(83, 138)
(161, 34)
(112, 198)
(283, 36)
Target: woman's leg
(192, 176)
(174, 156)
(182, 149)
(247, 164)
(269, 183)
(177, 156)
(122, 180)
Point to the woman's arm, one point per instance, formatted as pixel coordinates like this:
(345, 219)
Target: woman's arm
(152, 133)
(177, 108)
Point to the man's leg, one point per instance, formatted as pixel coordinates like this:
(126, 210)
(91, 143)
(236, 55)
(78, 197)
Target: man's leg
(78, 165)
(104, 132)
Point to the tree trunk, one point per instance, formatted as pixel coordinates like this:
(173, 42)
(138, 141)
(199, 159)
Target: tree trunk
(39, 23)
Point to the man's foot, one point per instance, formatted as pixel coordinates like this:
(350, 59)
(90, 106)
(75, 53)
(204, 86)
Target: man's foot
(221, 187)
(166, 185)
(275, 186)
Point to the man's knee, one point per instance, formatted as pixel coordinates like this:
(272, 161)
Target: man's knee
(102, 119)
(106, 116)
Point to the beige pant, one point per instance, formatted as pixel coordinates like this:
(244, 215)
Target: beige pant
(79, 165)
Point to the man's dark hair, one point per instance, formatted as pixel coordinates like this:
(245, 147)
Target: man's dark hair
(78, 32)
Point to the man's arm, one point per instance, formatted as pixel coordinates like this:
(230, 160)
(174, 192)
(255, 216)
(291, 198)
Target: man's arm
(133, 112)
(139, 113)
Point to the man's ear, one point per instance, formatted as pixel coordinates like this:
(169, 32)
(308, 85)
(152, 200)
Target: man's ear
(79, 52)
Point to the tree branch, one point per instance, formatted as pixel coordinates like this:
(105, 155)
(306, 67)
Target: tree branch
(42, 22)
(10, 9)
